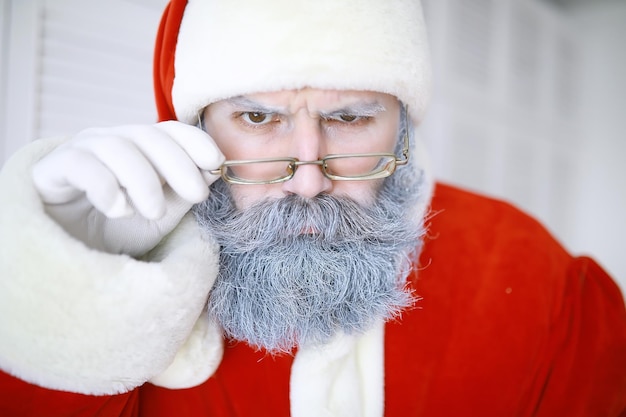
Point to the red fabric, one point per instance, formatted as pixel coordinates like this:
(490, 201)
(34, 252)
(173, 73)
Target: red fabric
(247, 383)
(164, 53)
(18, 398)
(509, 325)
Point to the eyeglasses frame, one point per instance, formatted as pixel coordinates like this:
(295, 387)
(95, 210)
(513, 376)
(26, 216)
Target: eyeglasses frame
(294, 163)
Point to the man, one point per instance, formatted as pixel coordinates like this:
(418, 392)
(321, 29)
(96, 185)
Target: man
(272, 248)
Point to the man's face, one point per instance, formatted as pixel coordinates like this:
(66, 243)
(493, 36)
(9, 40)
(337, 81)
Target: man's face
(281, 285)
(307, 124)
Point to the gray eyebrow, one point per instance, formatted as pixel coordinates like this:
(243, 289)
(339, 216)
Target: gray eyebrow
(363, 109)
(253, 106)
(357, 109)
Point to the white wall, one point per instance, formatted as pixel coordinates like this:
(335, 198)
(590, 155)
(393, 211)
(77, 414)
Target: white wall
(601, 197)
(4, 39)
(520, 102)
(20, 63)
(71, 64)
(506, 114)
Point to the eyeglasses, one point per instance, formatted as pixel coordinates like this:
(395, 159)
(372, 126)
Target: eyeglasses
(337, 167)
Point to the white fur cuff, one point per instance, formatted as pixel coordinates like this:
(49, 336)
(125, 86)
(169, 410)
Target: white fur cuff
(75, 319)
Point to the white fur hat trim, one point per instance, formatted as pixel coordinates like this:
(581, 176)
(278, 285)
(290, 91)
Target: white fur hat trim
(232, 48)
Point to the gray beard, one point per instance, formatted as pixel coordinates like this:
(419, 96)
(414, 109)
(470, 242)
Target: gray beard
(281, 286)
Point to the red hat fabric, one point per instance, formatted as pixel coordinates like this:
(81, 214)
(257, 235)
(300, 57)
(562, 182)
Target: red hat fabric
(164, 54)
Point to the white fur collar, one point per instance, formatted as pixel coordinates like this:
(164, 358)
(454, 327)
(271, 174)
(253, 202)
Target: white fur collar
(343, 378)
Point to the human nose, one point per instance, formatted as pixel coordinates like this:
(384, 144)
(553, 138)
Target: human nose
(308, 180)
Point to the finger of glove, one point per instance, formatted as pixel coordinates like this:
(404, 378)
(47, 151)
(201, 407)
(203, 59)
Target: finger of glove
(172, 162)
(177, 207)
(131, 168)
(67, 173)
(135, 235)
(200, 147)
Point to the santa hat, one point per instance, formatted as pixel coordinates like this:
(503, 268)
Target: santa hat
(209, 50)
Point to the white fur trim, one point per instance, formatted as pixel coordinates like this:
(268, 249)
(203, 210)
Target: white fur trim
(198, 359)
(75, 319)
(230, 48)
(343, 378)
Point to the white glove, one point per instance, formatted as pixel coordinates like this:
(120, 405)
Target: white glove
(122, 189)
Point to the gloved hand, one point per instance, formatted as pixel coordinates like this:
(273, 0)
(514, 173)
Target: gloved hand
(122, 189)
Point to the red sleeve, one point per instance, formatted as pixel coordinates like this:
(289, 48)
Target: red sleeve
(21, 399)
(508, 323)
(585, 373)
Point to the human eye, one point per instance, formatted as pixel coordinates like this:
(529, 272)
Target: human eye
(257, 118)
(349, 118)
(346, 118)
(348, 122)
(354, 114)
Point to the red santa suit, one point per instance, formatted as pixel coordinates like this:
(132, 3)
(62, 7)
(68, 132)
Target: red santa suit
(508, 322)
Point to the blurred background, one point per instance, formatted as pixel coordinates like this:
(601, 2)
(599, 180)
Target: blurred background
(529, 106)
